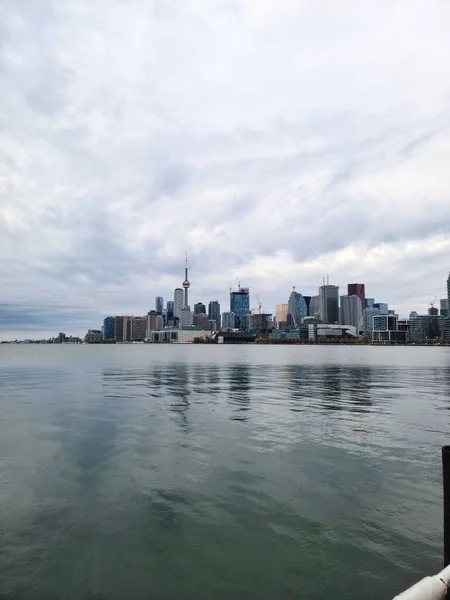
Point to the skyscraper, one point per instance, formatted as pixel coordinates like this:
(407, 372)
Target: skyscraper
(159, 304)
(445, 312)
(329, 303)
(169, 309)
(178, 298)
(214, 312)
(228, 320)
(240, 306)
(358, 289)
(281, 313)
(350, 312)
(448, 288)
(297, 307)
(108, 328)
(199, 308)
(314, 306)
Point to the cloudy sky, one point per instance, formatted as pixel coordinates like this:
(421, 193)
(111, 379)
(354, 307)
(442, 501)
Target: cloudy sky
(276, 140)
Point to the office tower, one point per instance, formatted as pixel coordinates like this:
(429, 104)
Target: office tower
(382, 306)
(370, 302)
(314, 306)
(240, 306)
(297, 308)
(169, 310)
(228, 320)
(159, 304)
(281, 313)
(445, 312)
(358, 289)
(308, 303)
(350, 311)
(368, 314)
(329, 303)
(118, 329)
(199, 308)
(178, 299)
(201, 320)
(108, 328)
(214, 312)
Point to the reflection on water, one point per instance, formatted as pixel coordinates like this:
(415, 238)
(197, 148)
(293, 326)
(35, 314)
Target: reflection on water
(128, 474)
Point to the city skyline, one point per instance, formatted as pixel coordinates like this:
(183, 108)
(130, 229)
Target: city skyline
(315, 144)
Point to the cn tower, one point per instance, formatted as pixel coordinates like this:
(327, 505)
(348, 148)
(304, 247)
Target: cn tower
(186, 285)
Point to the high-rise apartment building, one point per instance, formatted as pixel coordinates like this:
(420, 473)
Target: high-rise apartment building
(178, 299)
(228, 320)
(108, 328)
(281, 313)
(214, 312)
(118, 329)
(445, 307)
(159, 304)
(186, 317)
(240, 306)
(154, 322)
(358, 289)
(350, 311)
(297, 308)
(329, 303)
(199, 308)
(134, 329)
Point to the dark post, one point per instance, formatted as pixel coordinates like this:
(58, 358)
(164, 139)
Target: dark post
(446, 477)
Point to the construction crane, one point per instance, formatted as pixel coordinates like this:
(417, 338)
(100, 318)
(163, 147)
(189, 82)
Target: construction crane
(259, 304)
(432, 303)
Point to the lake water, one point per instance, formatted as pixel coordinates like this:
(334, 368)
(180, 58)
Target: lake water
(210, 472)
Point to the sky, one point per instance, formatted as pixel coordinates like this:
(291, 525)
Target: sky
(277, 141)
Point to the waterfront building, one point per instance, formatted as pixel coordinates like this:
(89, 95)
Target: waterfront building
(228, 320)
(108, 328)
(154, 322)
(199, 308)
(314, 307)
(385, 329)
(93, 335)
(358, 289)
(159, 304)
(134, 329)
(118, 328)
(214, 312)
(329, 303)
(427, 327)
(178, 299)
(350, 311)
(445, 310)
(326, 331)
(201, 321)
(179, 336)
(281, 313)
(297, 308)
(240, 306)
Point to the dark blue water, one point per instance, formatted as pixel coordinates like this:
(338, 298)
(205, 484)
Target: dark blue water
(220, 472)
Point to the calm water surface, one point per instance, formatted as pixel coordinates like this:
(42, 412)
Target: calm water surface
(220, 472)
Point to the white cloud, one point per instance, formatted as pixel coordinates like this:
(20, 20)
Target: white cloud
(278, 141)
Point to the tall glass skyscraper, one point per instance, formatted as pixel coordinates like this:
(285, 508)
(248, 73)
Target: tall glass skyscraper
(329, 303)
(214, 312)
(240, 306)
(297, 308)
(159, 304)
(108, 328)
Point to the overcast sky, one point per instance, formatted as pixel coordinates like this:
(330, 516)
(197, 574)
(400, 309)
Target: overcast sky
(277, 141)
